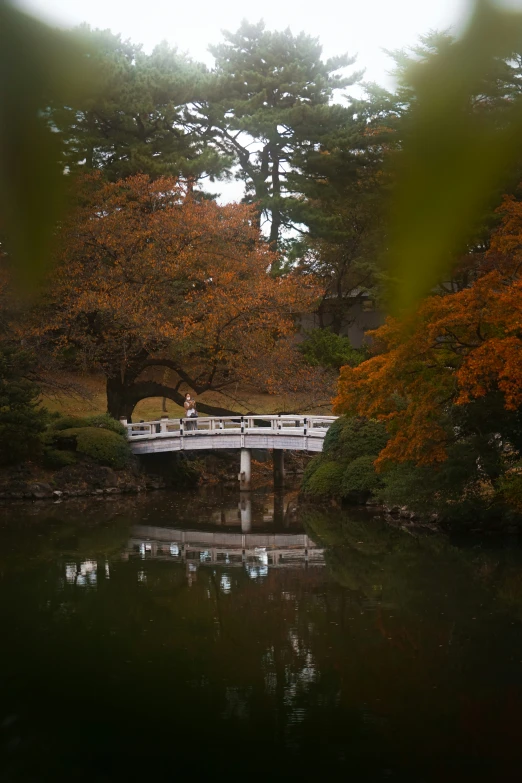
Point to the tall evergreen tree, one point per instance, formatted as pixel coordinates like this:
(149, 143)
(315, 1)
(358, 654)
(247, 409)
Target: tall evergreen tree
(343, 184)
(269, 90)
(136, 122)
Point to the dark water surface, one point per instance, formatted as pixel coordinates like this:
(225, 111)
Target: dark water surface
(179, 636)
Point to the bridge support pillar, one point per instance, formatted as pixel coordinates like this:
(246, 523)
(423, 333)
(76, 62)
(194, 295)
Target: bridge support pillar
(279, 510)
(245, 507)
(245, 470)
(278, 456)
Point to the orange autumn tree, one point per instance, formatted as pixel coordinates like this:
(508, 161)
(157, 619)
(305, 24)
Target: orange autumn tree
(455, 349)
(154, 284)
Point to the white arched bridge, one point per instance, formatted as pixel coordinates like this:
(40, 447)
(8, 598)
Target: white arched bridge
(244, 433)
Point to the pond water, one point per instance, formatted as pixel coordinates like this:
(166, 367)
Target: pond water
(172, 635)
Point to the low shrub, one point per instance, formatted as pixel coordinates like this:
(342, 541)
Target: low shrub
(102, 420)
(67, 422)
(333, 435)
(455, 491)
(106, 422)
(323, 477)
(54, 459)
(360, 477)
(350, 448)
(103, 446)
(349, 438)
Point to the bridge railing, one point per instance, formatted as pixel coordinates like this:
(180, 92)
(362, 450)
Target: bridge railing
(165, 427)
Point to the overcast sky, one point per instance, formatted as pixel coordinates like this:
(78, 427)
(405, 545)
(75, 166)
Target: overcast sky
(362, 27)
(359, 27)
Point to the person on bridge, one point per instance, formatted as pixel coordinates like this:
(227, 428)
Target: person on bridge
(190, 412)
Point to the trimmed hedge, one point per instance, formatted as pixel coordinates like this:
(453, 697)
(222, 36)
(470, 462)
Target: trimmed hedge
(323, 477)
(345, 469)
(350, 438)
(100, 437)
(57, 458)
(102, 420)
(103, 446)
(106, 422)
(67, 422)
(360, 477)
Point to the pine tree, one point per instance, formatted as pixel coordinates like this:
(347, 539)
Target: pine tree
(21, 419)
(136, 123)
(344, 185)
(270, 94)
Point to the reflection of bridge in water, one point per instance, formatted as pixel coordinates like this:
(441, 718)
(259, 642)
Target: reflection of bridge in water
(259, 551)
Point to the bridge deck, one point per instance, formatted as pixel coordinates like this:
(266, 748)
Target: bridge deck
(295, 433)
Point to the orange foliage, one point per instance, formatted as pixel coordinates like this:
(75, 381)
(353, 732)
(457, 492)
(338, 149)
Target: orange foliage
(454, 349)
(149, 272)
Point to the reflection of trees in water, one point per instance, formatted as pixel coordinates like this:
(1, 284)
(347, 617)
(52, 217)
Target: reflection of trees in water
(84, 533)
(369, 658)
(388, 565)
(442, 613)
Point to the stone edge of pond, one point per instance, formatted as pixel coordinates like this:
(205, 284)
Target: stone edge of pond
(42, 491)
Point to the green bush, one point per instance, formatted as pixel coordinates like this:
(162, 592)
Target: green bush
(54, 459)
(419, 484)
(67, 422)
(333, 435)
(350, 438)
(106, 422)
(323, 477)
(324, 348)
(456, 490)
(103, 421)
(309, 472)
(359, 438)
(360, 477)
(103, 446)
(477, 485)
(351, 445)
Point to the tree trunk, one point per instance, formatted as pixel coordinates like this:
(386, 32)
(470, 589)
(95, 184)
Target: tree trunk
(276, 195)
(119, 403)
(337, 322)
(320, 313)
(123, 397)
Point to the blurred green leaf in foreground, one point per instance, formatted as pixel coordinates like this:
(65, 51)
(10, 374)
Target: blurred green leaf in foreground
(38, 65)
(454, 156)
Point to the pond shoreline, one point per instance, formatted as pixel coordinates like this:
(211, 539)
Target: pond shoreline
(107, 484)
(401, 518)
(31, 482)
